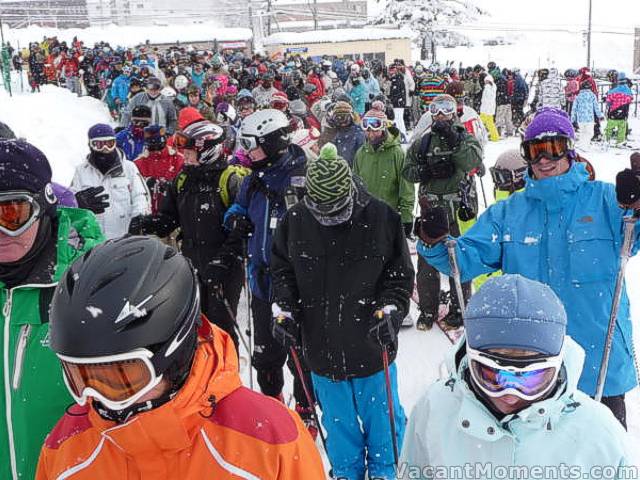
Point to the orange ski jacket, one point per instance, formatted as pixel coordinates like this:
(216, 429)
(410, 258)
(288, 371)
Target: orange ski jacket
(213, 428)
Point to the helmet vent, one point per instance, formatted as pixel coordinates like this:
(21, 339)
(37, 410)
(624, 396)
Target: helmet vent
(106, 281)
(169, 253)
(128, 253)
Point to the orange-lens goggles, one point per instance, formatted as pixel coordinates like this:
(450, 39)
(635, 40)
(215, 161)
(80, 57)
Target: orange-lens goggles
(181, 140)
(553, 148)
(14, 214)
(117, 381)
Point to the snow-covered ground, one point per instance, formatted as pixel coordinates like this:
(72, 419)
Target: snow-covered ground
(57, 122)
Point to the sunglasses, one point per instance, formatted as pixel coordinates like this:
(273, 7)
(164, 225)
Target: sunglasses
(554, 148)
(103, 144)
(116, 380)
(528, 379)
(445, 107)
(18, 211)
(373, 123)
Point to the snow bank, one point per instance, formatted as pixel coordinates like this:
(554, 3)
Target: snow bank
(129, 36)
(56, 121)
(337, 35)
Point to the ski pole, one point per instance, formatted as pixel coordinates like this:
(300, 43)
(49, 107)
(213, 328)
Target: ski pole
(625, 253)
(484, 195)
(249, 329)
(227, 305)
(455, 271)
(387, 381)
(310, 400)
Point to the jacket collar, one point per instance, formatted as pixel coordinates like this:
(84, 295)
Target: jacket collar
(555, 190)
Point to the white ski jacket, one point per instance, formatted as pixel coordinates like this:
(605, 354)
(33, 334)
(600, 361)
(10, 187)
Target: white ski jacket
(128, 194)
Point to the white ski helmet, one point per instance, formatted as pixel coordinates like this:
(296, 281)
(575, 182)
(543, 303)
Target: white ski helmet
(181, 82)
(168, 92)
(268, 129)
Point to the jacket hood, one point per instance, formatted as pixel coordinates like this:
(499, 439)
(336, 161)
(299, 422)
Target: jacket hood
(542, 414)
(214, 375)
(553, 190)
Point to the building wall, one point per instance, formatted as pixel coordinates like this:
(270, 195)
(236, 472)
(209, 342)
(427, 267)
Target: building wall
(383, 49)
(46, 13)
(120, 12)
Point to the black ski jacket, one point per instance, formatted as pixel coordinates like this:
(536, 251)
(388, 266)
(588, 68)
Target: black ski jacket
(332, 279)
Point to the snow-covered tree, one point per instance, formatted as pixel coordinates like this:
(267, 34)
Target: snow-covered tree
(429, 19)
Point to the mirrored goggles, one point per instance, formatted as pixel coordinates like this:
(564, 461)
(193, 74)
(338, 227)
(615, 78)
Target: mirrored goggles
(554, 148)
(103, 144)
(445, 107)
(373, 123)
(248, 143)
(528, 378)
(503, 177)
(117, 381)
(18, 211)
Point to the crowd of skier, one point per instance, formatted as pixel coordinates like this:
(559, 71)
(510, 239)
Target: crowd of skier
(297, 182)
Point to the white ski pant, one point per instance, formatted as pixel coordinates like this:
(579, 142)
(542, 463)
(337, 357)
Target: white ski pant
(398, 113)
(585, 134)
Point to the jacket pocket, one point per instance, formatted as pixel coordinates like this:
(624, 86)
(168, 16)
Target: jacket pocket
(593, 255)
(309, 263)
(521, 253)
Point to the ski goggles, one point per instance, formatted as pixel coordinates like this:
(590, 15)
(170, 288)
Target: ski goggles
(117, 381)
(141, 122)
(248, 143)
(503, 177)
(373, 123)
(105, 144)
(445, 107)
(342, 118)
(554, 148)
(18, 211)
(527, 378)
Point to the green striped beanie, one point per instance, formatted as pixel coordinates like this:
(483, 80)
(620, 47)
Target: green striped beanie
(328, 177)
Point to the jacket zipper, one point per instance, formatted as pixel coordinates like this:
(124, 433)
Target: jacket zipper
(21, 349)
(6, 312)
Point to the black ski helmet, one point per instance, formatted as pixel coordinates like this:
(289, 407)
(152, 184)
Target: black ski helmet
(125, 294)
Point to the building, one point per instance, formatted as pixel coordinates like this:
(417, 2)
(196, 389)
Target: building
(119, 12)
(350, 43)
(291, 15)
(230, 13)
(46, 13)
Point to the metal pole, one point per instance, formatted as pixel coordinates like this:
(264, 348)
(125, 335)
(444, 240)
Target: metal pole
(455, 272)
(589, 37)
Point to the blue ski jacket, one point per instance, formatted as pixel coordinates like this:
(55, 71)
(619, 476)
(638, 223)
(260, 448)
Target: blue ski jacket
(120, 88)
(131, 146)
(565, 231)
(585, 108)
(265, 207)
(348, 140)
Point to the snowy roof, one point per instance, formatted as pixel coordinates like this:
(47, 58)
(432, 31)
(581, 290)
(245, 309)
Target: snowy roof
(335, 35)
(129, 36)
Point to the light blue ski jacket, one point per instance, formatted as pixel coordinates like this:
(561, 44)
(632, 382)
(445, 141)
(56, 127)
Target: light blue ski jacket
(564, 231)
(450, 427)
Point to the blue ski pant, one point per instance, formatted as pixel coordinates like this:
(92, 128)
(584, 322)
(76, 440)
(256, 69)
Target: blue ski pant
(355, 416)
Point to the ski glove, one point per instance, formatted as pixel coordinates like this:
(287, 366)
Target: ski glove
(446, 131)
(433, 225)
(284, 328)
(628, 188)
(386, 323)
(216, 271)
(241, 226)
(93, 198)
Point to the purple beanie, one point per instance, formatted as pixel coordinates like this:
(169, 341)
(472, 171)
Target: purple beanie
(23, 167)
(101, 130)
(550, 122)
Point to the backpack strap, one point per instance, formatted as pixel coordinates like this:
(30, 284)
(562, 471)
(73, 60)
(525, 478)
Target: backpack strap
(223, 181)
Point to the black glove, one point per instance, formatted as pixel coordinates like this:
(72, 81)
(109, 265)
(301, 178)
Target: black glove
(386, 323)
(216, 271)
(241, 226)
(285, 330)
(466, 213)
(151, 183)
(94, 199)
(432, 224)
(446, 131)
(137, 224)
(408, 230)
(628, 188)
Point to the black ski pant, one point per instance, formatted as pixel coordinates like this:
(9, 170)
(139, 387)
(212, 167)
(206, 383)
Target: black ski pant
(213, 306)
(428, 278)
(617, 407)
(269, 357)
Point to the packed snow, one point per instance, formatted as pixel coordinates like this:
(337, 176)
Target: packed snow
(57, 122)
